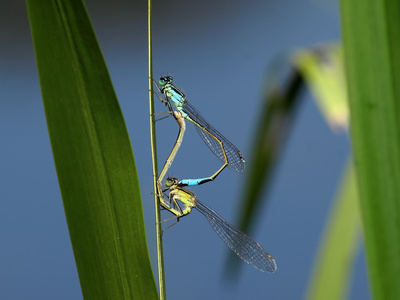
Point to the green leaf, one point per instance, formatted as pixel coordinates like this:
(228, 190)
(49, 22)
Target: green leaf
(323, 70)
(331, 276)
(92, 153)
(276, 115)
(371, 31)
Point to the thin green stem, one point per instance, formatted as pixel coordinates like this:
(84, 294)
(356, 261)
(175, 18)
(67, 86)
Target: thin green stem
(160, 256)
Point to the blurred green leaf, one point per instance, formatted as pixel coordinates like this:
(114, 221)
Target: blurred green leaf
(92, 153)
(323, 70)
(331, 276)
(276, 116)
(371, 31)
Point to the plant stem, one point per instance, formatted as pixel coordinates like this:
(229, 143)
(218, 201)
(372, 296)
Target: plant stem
(160, 256)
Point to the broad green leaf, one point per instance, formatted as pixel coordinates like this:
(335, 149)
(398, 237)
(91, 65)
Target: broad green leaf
(371, 31)
(92, 153)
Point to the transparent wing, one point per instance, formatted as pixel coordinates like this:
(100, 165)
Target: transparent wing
(243, 245)
(235, 158)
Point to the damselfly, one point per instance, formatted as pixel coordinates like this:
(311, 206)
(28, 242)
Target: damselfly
(217, 143)
(181, 202)
(182, 127)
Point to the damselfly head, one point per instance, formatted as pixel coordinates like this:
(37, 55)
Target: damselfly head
(164, 80)
(170, 181)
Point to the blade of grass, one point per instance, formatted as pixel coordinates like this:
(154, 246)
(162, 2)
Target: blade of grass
(92, 153)
(371, 31)
(160, 256)
(331, 276)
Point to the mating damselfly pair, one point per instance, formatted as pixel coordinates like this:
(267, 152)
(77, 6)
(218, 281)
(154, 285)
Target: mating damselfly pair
(180, 201)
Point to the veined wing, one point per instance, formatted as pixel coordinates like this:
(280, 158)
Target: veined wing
(235, 158)
(243, 245)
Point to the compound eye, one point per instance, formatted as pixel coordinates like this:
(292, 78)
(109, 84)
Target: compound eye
(168, 182)
(162, 81)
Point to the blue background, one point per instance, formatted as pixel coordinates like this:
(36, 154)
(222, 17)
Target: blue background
(218, 53)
